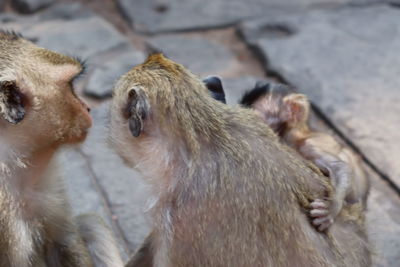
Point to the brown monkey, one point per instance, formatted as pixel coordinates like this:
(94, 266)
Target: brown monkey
(228, 193)
(287, 114)
(39, 112)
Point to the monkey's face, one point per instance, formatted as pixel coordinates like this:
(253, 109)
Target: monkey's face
(38, 104)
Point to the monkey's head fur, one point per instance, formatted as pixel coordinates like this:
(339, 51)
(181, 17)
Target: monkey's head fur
(38, 105)
(278, 106)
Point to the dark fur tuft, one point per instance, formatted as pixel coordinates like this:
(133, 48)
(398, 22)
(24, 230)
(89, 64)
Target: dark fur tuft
(251, 96)
(83, 64)
(262, 89)
(10, 35)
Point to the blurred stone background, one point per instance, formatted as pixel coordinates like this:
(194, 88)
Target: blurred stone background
(344, 54)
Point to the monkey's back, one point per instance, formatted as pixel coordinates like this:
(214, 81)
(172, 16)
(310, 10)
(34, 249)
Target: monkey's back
(245, 207)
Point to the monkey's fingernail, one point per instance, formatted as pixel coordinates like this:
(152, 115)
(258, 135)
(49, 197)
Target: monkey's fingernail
(318, 213)
(318, 205)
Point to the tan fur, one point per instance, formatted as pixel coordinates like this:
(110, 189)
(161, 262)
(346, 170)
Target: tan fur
(229, 194)
(36, 225)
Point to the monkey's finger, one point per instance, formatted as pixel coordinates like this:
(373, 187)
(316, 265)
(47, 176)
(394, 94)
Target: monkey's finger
(324, 226)
(319, 212)
(319, 201)
(318, 205)
(322, 220)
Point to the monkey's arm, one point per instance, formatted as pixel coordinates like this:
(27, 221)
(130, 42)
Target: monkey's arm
(340, 175)
(143, 257)
(339, 172)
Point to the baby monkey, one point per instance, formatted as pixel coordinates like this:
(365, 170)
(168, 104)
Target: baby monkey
(287, 114)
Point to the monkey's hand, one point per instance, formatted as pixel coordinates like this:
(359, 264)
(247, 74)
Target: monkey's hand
(323, 213)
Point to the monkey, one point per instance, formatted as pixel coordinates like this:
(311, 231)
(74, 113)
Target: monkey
(39, 113)
(228, 193)
(322, 149)
(287, 114)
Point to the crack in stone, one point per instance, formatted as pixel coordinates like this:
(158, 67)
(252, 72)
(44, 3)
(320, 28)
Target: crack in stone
(106, 201)
(274, 74)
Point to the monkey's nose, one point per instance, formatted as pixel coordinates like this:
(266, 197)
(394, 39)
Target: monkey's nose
(88, 109)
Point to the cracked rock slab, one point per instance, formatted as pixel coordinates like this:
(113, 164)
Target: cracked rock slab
(82, 37)
(82, 191)
(31, 6)
(198, 54)
(73, 30)
(109, 67)
(65, 11)
(153, 16)
(348, 65)
(127, 192)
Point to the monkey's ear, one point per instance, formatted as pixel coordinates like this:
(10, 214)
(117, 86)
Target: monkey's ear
(137, 110)
(11, 102)
(214, 86)
(297, 107)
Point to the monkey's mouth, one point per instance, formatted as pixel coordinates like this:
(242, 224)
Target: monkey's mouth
(79, 137)
(84, 134)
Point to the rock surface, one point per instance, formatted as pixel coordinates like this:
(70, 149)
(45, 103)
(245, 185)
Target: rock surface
(125, 190)
(200, 55)
(83, 37)
(108, 67)
(76, 31)
(83, 191)
(348, 65)
(30, 6)
(174, 15)
(65, 11)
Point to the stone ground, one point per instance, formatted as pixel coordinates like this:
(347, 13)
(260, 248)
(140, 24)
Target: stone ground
(344, 54)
